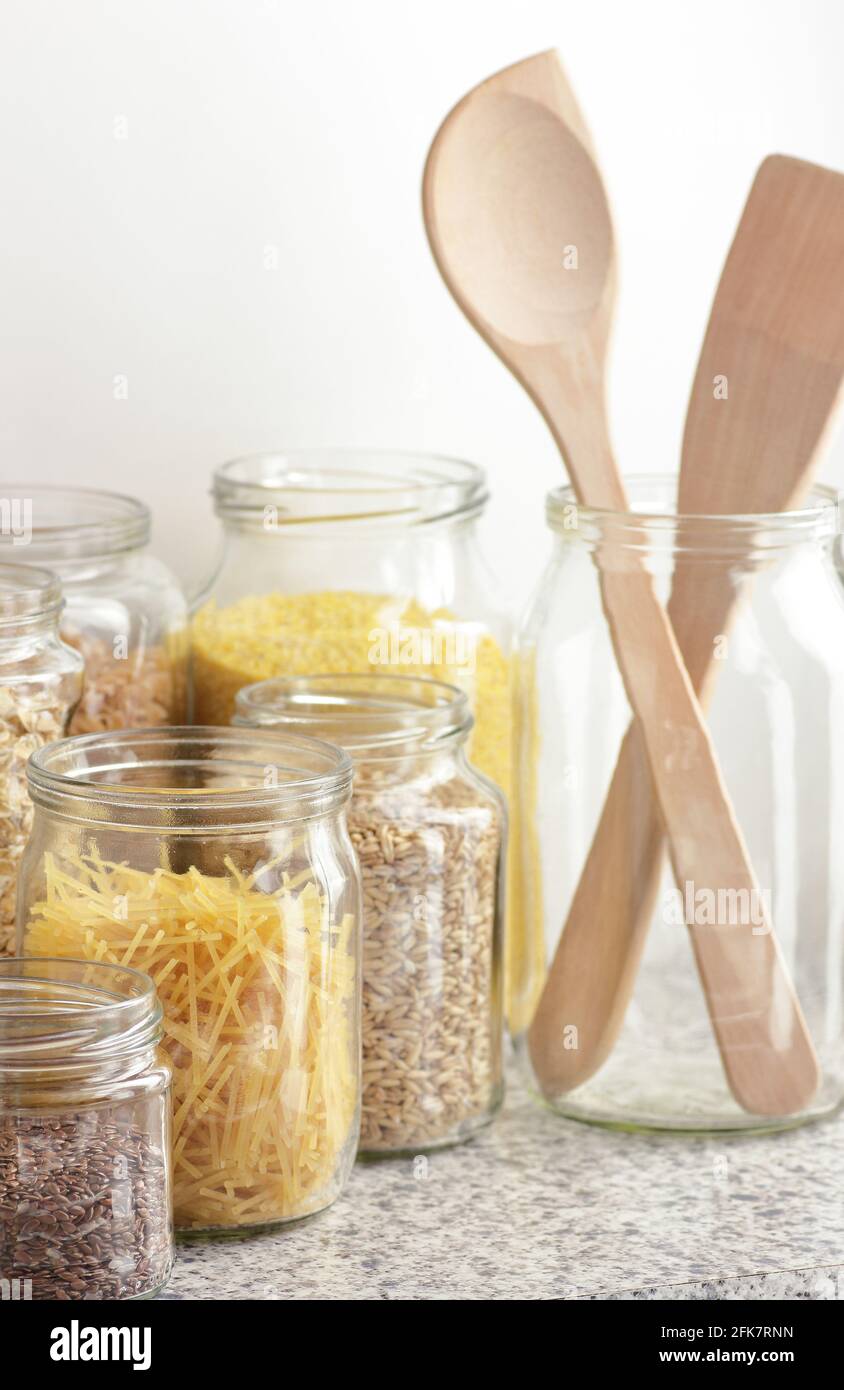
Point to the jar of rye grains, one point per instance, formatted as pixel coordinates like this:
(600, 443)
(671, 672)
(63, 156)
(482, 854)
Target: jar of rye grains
(85, 1207)
(124, 611)
(429, 832)
(40, 685)
(367, 561)
(218, 861)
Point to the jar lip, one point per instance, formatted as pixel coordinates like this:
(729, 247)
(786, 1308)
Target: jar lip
(56, 524)
(28, 592)
(260, 777)
(65, 1013)
(304, 487)
(816, 519)
(367, 714)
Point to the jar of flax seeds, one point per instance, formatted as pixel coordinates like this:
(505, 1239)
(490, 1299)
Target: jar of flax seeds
(85, 1201)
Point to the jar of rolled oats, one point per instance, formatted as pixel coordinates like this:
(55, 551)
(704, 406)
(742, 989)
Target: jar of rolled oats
(40, 685)
(429, 832)
(124, 611)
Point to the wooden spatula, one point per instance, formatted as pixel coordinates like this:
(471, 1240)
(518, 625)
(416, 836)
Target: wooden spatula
(520, 228)
(776, 337)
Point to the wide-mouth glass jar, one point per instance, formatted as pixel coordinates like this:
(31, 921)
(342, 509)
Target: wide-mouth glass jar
(40, 686)
(218, 861)
(758, 613)
(85, 1200)
(124, 610)
(429, 832)
(355, 561)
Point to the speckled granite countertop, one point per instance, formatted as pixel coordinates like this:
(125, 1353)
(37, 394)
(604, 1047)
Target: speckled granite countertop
(539, 1208)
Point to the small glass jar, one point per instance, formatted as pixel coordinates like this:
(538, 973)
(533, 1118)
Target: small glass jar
(341, 561)
(40, 685)
(124, 611)
(218, 861)
(429, 832)
(758, 613)
(85, 1201)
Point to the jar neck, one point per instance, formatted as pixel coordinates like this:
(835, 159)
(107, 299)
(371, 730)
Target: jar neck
(189, 781)
(27, 632)
(380, 720)
(70, 529)
(346, 489)
(68, 1024)
(654, 532)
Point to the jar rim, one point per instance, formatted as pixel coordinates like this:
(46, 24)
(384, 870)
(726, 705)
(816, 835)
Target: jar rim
(126, 777)
(63, 1014)
(28, 592)
(653, 524)
(368, 714)
(59, 524)
(351, 486)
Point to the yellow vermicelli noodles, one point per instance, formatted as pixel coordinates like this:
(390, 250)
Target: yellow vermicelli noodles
(258, 991)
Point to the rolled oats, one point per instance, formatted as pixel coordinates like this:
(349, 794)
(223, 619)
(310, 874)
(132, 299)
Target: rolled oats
(146, 687)
(28, 719)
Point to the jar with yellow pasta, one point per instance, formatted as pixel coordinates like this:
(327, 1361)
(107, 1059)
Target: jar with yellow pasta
(218, 862)
(352, 561)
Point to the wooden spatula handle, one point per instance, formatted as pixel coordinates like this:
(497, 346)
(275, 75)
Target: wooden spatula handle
(597, 957)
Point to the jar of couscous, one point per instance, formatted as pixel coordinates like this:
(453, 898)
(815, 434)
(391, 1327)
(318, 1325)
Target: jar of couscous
(218, 862)
(356, 561)
(124, 611)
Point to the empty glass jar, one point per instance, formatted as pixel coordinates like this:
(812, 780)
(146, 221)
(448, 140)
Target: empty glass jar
(218, 861)
(124, 611)
(429, 834)
(85, 1201)
(758, 612)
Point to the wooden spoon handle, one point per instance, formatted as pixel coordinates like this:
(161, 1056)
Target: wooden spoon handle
(764, 1043)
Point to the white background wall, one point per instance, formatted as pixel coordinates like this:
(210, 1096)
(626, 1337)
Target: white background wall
(255, 124)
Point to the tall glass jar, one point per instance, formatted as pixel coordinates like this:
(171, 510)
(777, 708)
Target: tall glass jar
(124, 610)
(40, 686)
(342, 561)
(758, 613)
(85, 1201)
(218, 861)
(429, 832)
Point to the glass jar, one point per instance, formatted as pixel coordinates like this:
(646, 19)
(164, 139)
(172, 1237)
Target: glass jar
(758, 613)
(124, 611)
(40, 685)
(429, 832)
(343, 561)
(85, 1201)
(218, 861)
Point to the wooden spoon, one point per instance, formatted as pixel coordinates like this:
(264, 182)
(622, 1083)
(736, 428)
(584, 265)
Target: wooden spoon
(520, 228)
(776, 336)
